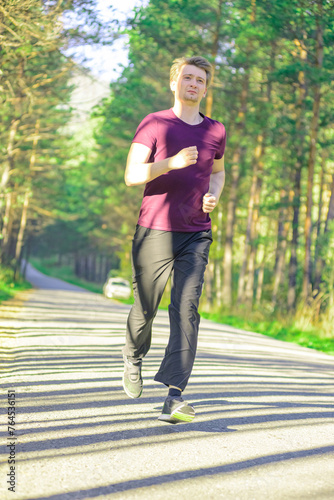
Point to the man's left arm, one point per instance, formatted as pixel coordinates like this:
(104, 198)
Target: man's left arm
(217, 181)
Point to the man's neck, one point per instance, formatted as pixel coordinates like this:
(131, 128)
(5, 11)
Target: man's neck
(188, 114)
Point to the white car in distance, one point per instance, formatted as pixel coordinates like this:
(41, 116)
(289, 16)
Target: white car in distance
(117, 288)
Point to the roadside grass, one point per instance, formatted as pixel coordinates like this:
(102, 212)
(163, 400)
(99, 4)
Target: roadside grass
(63, 272)
(286, 329)
(8, 286)
(280, 329)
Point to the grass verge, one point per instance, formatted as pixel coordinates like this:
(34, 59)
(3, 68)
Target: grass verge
(272, 327)
(65, 273)
(8, 286)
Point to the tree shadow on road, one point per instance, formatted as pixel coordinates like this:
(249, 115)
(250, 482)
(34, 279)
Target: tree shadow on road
(67, 374)
(190, 474)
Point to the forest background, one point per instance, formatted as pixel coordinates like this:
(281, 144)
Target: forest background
(63, 201)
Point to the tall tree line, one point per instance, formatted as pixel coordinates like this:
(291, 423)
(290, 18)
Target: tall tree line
(273, 90)
(35, 111)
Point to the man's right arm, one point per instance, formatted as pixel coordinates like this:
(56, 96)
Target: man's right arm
(138, 171)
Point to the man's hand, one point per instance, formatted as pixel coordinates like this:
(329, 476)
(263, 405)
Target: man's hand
(209, 203)
(184, 158)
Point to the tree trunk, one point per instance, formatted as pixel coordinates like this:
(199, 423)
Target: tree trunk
(9, 165)
(280, 225)
(23, 223)
(293, 264)
(259, 287)
(242, 275)
(20, 236)
(8, 253)
(255, 229)
(107, 268)
(100, 269)
(311, 164)
(26, 257)
(215, 46)
(252, 227)
(7, 225)
(76, 264)
(329, 218)
(218, 270)
(210, 274)
(282, 235)
(232, 202)
(86, 268)
(319, 220)
(94, 268)
(330, 213)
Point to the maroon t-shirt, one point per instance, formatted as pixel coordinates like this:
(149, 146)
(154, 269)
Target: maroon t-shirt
(173, 201)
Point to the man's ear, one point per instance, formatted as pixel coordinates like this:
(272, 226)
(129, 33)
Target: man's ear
(173, 85)
(205, 92)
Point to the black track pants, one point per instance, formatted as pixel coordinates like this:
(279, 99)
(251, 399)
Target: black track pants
(155, 255)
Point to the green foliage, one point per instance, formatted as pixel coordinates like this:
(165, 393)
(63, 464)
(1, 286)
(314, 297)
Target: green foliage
(259, 41)
(9, 285)
(34, 135)
(267, 77)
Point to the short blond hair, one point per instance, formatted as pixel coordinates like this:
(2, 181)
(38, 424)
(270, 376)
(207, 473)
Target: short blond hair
(198, 61)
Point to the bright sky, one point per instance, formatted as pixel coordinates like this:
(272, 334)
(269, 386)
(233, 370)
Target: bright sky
(106, 62)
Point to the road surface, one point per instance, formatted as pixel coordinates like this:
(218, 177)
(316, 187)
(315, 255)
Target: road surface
(264, 425)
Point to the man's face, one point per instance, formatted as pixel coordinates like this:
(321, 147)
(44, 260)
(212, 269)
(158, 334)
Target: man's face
(190, 85)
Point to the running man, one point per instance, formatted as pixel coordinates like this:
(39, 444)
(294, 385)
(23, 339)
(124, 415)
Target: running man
(179, 154)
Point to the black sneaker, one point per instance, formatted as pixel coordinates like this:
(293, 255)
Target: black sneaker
(175, 410)
(132, 379)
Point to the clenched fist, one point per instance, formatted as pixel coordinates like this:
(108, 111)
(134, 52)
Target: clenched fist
(209, 203)
(184, 158)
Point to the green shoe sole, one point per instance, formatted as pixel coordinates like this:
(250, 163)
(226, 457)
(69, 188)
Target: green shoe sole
(176, 418)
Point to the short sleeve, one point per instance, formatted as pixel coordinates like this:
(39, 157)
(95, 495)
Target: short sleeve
(221, 149)
(146, 132)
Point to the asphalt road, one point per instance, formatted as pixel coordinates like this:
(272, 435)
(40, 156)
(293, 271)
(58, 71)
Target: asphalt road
(264, 425)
